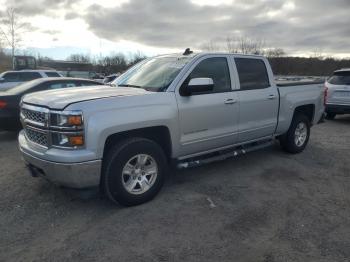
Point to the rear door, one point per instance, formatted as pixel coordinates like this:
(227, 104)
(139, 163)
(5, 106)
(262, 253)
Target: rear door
(339, 88)
(258, 99)
(208, 120)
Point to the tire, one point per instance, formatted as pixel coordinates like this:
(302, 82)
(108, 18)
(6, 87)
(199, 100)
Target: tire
(289, 141)
(125, 178)
(330, 116)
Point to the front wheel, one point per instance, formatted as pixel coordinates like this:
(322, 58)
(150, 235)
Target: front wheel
(297, 137)
(134, 171)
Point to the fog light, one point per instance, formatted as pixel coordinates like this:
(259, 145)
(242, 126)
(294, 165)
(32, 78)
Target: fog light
(76, 140)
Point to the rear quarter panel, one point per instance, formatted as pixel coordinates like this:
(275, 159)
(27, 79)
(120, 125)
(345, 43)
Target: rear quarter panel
(292, 97)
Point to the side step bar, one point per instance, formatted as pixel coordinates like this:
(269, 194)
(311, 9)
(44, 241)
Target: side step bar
(222, 155)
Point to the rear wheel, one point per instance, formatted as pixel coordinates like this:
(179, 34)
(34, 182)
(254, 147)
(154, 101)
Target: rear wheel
(297, 137)
(134, 171)
(330, 116)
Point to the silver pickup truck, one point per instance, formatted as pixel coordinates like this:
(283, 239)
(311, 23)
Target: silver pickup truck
(186, 109)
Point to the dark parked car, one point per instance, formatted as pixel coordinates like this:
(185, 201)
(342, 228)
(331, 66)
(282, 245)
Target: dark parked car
(11, 97)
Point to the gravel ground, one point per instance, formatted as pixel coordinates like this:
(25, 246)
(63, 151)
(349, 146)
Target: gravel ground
(265, 206)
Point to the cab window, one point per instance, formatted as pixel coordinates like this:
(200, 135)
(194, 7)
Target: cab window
(252, 73)
(215, 68)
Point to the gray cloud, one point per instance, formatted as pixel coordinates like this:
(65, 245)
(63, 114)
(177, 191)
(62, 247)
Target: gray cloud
(312, 24)
(71, 15)
(30, 7)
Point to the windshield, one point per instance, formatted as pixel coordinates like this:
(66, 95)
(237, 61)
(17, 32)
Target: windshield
(340, 78)
(154, 74)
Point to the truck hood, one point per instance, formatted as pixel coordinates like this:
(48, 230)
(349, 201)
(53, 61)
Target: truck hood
(61, 98)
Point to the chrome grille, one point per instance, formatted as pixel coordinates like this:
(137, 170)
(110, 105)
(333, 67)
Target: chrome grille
(36, 136)
(34, 116)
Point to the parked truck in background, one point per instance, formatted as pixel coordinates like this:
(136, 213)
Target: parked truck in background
(186, 109)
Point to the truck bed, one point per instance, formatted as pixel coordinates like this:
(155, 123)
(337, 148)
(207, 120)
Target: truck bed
(298, 94)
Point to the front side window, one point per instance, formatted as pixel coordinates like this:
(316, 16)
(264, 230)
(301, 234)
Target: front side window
(340, 78)
(61, 85)
(11, 77)
(155, 74)
(52, 74)
(89, 83)
(215, 68)
(252, 73)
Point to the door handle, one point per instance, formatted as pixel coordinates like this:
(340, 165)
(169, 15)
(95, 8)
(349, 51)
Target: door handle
(271, 97)
(230, 101)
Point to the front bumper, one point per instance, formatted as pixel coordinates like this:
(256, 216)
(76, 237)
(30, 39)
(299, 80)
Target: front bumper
(338, 109)
(74, 175)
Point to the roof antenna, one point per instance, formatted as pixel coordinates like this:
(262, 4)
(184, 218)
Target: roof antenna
(187, 52)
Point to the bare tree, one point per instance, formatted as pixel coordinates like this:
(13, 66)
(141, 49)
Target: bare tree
(275, 52)
(317, 53)
(245, 45)
(231, 45)
(80, 58)
(136, 57)
(11, 28)
(211, 46)
(251, 46)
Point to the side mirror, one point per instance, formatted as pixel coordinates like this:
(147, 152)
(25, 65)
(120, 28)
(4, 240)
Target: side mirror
(2, 79)
(198, 85)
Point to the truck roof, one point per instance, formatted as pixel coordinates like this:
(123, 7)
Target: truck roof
(198, 54)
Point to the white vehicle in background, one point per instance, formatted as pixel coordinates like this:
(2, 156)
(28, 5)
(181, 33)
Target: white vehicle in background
(110, 78)
(15, 78)
(338, 93)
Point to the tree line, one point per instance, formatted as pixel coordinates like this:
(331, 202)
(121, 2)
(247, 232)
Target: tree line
(12, 28)
(282, 64)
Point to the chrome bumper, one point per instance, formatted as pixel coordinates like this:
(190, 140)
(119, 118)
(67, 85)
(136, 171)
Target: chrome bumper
(82, 174)
(74, 175)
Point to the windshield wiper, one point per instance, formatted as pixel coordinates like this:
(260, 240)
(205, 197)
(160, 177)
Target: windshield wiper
(130, 86)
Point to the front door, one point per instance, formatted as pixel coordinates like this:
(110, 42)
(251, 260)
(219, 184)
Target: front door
(208, 120)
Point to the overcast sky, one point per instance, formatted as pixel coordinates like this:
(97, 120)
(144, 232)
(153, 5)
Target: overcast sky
(61, 27)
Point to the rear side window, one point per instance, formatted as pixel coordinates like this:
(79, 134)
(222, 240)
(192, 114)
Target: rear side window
(11, 77)
(340, 78)
(215, 68)
(27, 76)
(52, 74)
(59, 85)
(252, 73)
(89, 83)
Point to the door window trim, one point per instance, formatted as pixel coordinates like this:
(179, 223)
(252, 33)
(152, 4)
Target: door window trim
(199, 60)
(237, 73)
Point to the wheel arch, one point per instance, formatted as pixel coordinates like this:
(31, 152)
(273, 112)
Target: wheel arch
(307, 110)
(159, 134)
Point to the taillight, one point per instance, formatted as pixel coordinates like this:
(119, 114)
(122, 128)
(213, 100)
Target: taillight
(3, 104)
(325, 95)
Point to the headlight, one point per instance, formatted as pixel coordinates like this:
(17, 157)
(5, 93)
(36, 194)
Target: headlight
(67, 129)
(68, 140)
(70, 119)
